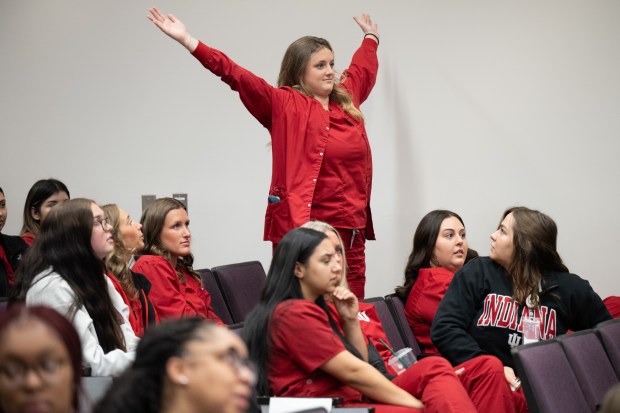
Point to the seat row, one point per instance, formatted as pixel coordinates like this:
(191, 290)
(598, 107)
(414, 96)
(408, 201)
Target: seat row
(571, 373)
(236, 288)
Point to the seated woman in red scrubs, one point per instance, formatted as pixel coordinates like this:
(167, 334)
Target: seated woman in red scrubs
(304, 349)
(440, 249)
(166, 260)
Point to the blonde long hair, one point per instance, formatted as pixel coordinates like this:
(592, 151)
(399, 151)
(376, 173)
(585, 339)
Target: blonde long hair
(116, 263)
(325, 227)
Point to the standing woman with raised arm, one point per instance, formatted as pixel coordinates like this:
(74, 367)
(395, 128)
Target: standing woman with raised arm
(322, 164)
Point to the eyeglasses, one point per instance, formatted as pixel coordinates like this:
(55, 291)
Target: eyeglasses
(103, 222)
(233, 359)
(14, 373)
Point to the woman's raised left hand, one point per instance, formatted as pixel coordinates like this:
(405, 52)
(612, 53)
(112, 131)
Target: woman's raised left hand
(366, 24)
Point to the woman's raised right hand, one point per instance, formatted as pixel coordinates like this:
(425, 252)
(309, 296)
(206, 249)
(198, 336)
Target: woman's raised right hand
(173, 27)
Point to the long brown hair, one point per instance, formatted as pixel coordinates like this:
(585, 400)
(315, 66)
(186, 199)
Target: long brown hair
(294, 65)
(424, 241)
(152, 221)
(534, 251)
(116, 263)
(64, 243)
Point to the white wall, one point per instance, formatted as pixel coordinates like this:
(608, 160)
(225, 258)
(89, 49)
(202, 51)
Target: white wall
(479, 105)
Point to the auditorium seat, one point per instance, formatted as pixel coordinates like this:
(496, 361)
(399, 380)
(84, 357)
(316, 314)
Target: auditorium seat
(590, 363)
(549, 383)
(241, 285)
(397, 308)
(609, 334)
(217, 299)
(387, 321)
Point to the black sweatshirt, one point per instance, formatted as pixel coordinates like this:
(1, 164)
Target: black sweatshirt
(478, 315)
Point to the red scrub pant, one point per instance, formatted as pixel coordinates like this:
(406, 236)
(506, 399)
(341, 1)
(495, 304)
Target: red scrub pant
(481, 387)
(432, 381)
(354, 241)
